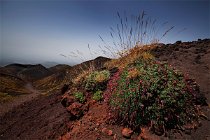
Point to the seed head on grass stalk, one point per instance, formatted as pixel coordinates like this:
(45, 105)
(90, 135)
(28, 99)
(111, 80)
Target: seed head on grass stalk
(132, 32)
(84, 68)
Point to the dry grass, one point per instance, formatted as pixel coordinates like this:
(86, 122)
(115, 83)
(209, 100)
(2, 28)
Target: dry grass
(130, 32)
(81, 76)
(83, 67)
(5, 97)
(133, 73)
(12, 85)
(51, 83)
(100, 78)
(133, 38)
(131, 55)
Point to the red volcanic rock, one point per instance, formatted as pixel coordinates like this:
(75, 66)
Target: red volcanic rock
(126, 132)
(75, 109)
(67, 136)
(107, 132)
(115, 137)
(104, 130)
(146, 135)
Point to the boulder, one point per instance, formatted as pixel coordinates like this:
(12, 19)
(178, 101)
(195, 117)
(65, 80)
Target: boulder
(107, 132)
(77, 110)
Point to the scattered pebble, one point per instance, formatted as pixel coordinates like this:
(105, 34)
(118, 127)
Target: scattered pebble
(127, 132)
(107, 132)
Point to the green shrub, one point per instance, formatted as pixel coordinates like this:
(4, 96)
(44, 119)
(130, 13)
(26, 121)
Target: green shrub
(97, 80)
(98, 95)
(79, 96)
(158, 96)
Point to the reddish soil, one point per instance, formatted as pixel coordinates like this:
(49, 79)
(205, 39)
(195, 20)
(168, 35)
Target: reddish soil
(44, 117)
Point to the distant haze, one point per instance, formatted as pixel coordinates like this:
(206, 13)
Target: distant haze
(39, 31)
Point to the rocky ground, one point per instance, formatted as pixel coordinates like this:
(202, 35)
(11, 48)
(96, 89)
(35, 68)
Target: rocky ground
(44, 117)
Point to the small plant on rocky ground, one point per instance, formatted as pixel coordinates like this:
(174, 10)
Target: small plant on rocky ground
(79, 96)
(81, 77)
(147, 92)
(98, 95)
(97, 80)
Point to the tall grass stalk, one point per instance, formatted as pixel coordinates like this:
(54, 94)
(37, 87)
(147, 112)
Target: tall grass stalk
(83, 68)
(132, 32)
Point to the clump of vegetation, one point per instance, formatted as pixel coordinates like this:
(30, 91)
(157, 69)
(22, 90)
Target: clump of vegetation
(134, 31)
(143, 91)
(12, 85)
(147, 92)
(97, 80)
(98, 95)
(133, 54)
(79, 96)
(81, 77)
(133, 73)
(5, 97)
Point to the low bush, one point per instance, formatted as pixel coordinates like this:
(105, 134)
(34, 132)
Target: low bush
(79, 96)
(80, 78)
(147, 92)
(98, 95)
(97, 80)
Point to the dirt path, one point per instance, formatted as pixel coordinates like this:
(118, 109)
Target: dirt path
(8, 106)
(33, 117)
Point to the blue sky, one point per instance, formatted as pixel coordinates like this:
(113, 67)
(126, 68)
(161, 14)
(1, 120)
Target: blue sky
(38, 31)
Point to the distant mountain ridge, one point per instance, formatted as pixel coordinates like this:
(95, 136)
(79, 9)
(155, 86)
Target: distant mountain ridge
(26, 72)
(47, 80)
(97, 63)
(63, 74)
(14, 77)
(59, 68)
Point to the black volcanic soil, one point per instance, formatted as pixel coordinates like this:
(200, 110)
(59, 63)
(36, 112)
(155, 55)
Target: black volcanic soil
(41, 118)
(20, 99)
(44, 117)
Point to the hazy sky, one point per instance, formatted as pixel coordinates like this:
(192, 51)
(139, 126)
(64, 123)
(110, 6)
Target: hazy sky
(37, 31)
